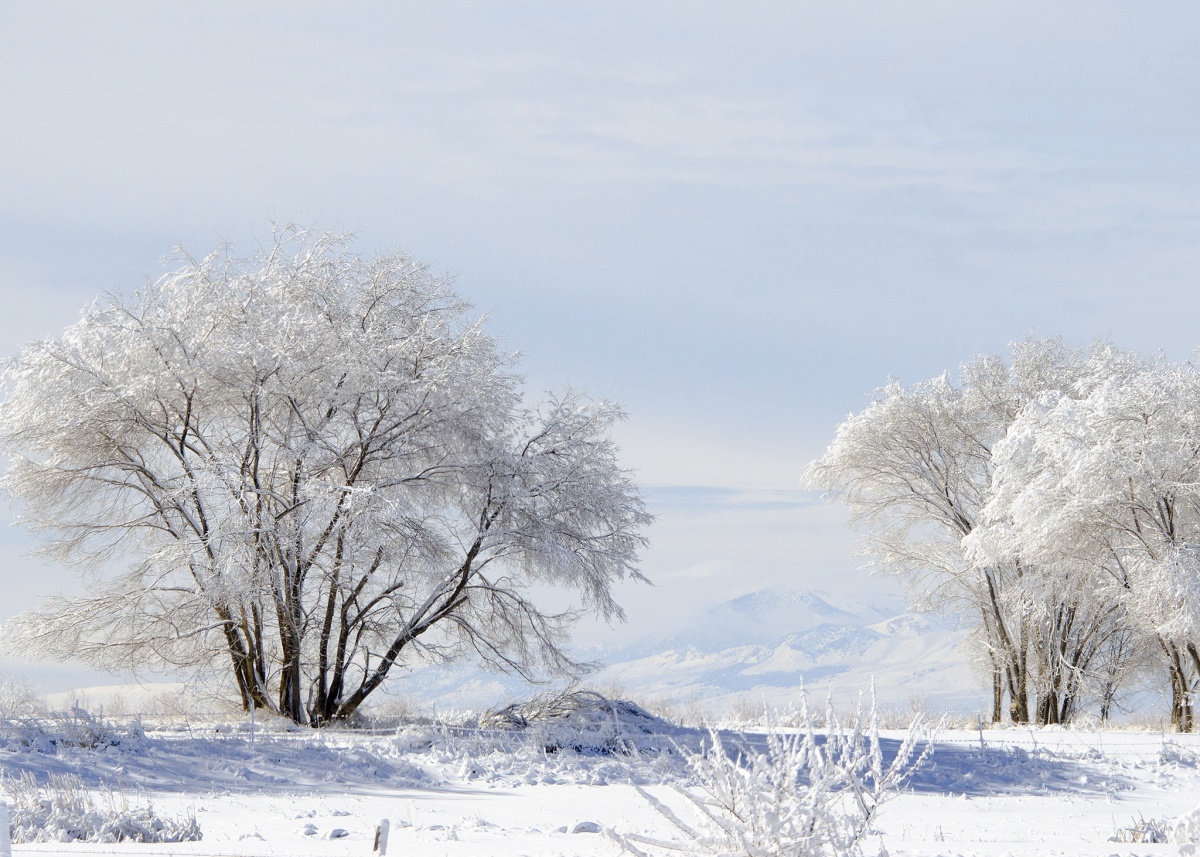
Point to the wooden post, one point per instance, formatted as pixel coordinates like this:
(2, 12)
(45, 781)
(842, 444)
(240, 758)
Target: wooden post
(381, 837)
(5, 831)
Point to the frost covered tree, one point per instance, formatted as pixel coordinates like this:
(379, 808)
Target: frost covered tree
(310, 465)
(916, 468)
(1109, 485)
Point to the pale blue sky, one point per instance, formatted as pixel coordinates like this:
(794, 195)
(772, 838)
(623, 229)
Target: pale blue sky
(737, 219)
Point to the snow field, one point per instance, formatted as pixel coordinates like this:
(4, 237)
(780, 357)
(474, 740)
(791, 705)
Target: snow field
(1044, 792)
(453, 790)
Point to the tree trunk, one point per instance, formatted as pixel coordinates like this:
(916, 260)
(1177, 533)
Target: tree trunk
(1107, 699)
(246, 672)
(1181, 699)
(1018, 683)
(1047, 708)
(997, 695)
(1018, 697)
(1067, 708)
(291, 703)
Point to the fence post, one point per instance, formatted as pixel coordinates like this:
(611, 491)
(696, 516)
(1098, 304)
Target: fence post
(5, 831)
(381, 837)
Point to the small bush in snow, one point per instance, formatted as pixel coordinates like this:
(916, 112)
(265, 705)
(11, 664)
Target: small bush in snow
(803, 795)
(18, 698)
(77, 729)
(64, 811)
(1144, 830)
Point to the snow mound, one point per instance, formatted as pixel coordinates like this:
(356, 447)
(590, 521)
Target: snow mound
(583, 721)
(1174, 754)
(1186, 833)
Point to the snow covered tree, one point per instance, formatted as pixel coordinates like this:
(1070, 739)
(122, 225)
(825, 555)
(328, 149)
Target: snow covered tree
(1106, 484)
(310, 465)
(916, 467)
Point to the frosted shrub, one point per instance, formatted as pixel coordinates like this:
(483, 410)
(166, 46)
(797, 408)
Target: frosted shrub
(804, 794)
(18, 698)
(1186, 833)
(80, 728)
(77, 729)
(64, 811)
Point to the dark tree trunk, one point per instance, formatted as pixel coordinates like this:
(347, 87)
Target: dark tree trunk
(1181, 698)
(997, 695)
(1047, 708)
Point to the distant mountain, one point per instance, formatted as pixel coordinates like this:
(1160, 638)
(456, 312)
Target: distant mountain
(761, 648)
(776, 601)
(771, 613)
(834, 644)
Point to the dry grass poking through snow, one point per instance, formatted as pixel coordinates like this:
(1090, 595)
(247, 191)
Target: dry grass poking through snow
(65, 810)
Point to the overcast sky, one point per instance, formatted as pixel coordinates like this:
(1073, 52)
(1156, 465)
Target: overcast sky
(738, 219)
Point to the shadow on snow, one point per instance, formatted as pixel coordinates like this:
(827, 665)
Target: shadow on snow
(346, 762)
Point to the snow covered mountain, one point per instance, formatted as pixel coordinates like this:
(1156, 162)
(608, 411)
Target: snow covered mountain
(785, 639)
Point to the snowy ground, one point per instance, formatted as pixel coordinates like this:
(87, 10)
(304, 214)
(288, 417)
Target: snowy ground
(457, 791)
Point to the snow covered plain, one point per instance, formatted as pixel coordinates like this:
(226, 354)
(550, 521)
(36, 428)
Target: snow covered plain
(458, 790)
